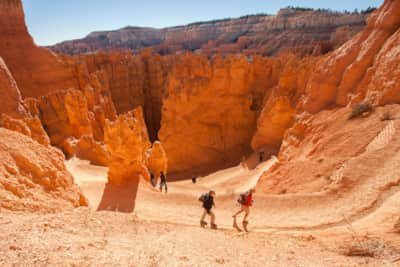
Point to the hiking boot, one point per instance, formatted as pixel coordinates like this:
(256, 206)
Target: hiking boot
(214, 226)
(203, 224)
(245, 223)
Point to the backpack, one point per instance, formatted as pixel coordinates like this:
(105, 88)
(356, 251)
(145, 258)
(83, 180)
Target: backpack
(203, 197)
(242, 198)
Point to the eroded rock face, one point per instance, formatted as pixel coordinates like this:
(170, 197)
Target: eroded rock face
(36, 70)
(365, 67)
(302, 32)
(11, 102)
(208, 109)
(29, 126)
(88, 149)
(65, 114)
(33, 177)
(280, 104)
(127, 141)
(322, 152)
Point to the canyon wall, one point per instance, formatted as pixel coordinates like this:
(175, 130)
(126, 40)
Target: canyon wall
(36, 70)
(304, 32)
(208, 112)
(324, 150)
(11, 97)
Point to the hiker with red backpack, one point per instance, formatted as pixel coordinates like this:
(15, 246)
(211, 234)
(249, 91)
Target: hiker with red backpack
(245, 200)
(208, 203)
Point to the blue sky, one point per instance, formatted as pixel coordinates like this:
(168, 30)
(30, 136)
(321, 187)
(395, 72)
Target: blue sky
(52, 21)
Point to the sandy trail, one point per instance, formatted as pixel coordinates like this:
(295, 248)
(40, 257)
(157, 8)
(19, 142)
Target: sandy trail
(270, 213)
(180, 205)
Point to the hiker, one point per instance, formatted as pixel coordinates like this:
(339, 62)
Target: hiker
(153, 179)
(245, 200)
(208, 203)
(194, 179)
(163, 182)
(243, 162)
(261, 156)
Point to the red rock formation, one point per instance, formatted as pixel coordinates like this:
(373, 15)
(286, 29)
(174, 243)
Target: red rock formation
(133, 82)
(36, 70)
(65, 114)
(11, 102)
(127, 141)
(279, 109)
(208, 109)
(88, 149)
(13, 114)
(363, 67)
(304, 32)
(29, 126)
(320, 151)
(324, 150)
(33, 177)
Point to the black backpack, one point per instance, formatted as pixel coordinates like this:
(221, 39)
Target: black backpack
(242, 198)
(203, 197)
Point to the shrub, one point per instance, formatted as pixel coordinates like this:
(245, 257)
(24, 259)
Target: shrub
(360, 109)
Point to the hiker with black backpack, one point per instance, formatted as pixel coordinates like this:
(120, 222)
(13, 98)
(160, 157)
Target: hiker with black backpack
(245, 200)
(163, 182)
(208, 203)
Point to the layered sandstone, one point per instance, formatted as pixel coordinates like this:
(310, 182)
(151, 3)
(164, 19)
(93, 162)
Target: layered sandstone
(364, 68)
(280, 104)
(11, 98)
(301, 31)
(33, 177)
(209, 110)
(127, 141)
(323, 150)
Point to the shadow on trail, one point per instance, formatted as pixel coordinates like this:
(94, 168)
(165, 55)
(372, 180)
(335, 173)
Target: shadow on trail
(120, 198)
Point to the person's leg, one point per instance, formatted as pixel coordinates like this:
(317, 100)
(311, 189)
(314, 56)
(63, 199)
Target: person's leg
(166, 187)
(204, 215)
(212, 215)
(237, 213)
(246, 213)
(161, 184)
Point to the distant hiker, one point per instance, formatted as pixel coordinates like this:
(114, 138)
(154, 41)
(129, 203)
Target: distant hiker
(243, 162)
(163, 182)
(194, 179)
(208, 203)
(245, 200)
(261, 156)
(153, 179)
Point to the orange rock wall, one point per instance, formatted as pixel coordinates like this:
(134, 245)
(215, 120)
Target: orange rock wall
(364, 67)
(36, 70)
(11, 101)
